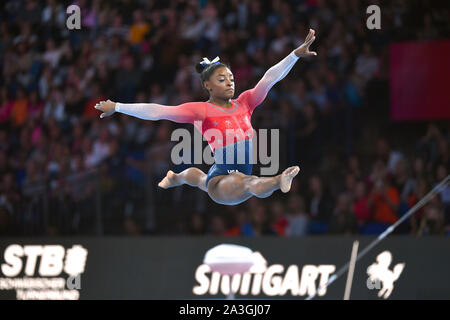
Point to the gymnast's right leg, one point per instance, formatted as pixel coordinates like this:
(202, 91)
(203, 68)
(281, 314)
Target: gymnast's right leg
(191, 176)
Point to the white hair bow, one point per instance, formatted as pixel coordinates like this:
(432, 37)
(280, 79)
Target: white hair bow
(207, 62)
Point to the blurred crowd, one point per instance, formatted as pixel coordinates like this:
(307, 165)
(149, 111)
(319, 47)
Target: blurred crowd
(64, 171)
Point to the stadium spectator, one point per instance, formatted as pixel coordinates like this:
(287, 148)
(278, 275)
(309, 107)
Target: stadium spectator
(259, 224)
(321, 204)
(360, 204)
(297, 217)
(197, 225)
(383, 201)
(343, 220)
(217, 227)
(239, 218)
(280, 221)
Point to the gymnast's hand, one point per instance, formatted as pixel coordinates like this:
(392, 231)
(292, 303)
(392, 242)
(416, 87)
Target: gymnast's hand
(108, 107)
(303, 50)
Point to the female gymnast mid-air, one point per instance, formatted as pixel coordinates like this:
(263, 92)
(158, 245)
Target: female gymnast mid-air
(228, 181)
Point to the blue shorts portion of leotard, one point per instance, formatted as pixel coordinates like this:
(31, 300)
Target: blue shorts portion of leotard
(231, 158)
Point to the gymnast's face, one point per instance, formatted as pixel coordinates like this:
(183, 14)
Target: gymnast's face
(221, 84)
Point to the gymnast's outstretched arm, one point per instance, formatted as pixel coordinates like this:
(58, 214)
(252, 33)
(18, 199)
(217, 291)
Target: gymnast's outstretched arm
(276, 73)
(183, 113)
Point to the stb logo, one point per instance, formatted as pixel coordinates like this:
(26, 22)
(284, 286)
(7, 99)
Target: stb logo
(380, 277)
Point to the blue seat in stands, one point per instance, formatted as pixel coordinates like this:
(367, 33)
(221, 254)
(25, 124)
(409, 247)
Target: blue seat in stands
(317, 227)
(374, 228)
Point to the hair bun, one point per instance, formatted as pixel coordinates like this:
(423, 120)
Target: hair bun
(199, 67)
(205, 63)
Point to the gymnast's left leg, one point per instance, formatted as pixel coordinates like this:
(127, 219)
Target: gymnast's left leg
(191, 176)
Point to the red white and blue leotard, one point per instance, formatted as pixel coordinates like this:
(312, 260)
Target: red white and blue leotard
(221, 127)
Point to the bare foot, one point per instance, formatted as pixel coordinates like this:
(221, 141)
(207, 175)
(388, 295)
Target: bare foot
(286, 178)
(169, 181)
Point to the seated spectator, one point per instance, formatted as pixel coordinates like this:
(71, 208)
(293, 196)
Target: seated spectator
(354, 166)
(418, 168)
(379, 171)
(280, 222)
(139, 28)
(402, 180)
(217, 226)
(238, 220)
(297, 217)
(308, 134)
(350, 184)
(55, 107)
(10, 196)
(343, 220)
(19, 111)
(366, 64)
(384, 201)
(432, 222)
(443, 153)
(321, 204)
(428, 145)
(422, 188)
(197, 225)
(35, 106)
(259, 224)
(387, 154)
(405, 185)
(360, 204)
(6, 105)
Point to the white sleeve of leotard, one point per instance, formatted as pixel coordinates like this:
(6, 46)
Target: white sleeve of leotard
(183, 113)
(257, 95)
